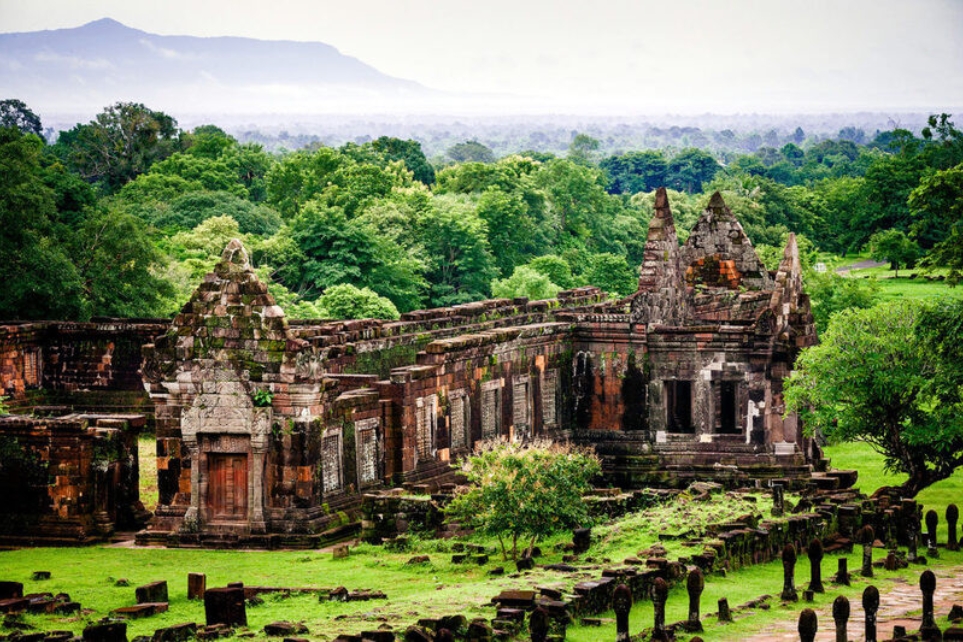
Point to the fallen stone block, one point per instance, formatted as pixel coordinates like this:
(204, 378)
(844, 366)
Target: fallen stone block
(225, 606)
(176, 633)
(138, 611)
(151, 593)
(106, 632)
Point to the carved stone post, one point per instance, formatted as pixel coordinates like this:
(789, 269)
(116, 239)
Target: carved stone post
(952, 517)
(538, 625)
(660, 593)
(928, 628)
(778, 500)
(932, 521)
(842, 572)
(815, 553)
(725, 615)
(841, 617)
(807, 625)
(870, 608)
(622, 604)
(695, 584)
(866, 537)
(911, 555)
(788, 574)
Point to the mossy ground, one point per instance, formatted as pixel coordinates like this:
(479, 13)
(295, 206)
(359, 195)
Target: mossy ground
(438, 588)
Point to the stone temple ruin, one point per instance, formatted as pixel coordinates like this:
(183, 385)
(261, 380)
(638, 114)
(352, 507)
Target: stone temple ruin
(270, 430)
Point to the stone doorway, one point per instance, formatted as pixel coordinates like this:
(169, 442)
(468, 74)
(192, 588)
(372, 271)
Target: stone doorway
(227, 490)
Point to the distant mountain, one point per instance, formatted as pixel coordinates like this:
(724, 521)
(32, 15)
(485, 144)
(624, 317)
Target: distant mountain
(87, 68)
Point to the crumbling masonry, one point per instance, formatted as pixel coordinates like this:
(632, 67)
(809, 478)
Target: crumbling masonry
(269, 430)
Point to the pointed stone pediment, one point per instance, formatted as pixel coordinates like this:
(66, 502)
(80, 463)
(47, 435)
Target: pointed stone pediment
(718, 254)
(230, 319)
(661, 288)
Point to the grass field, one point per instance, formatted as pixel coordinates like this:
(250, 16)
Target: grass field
(438, 588)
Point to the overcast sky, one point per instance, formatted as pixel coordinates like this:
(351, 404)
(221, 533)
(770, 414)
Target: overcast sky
(690, 55)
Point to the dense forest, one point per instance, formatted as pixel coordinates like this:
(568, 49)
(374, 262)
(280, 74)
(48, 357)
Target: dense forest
(122, 216)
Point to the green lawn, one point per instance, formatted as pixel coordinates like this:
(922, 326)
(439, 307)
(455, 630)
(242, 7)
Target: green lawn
(439, 588)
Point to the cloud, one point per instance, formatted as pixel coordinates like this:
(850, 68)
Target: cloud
(73, 62)
(164, 52)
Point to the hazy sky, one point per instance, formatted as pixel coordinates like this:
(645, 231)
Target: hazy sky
(692, 55)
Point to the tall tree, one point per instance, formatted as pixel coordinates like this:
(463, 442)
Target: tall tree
(15, 113)
(122, 142)
(889, 376)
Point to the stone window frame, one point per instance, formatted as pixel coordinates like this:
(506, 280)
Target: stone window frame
(372, 424)
(426, 413)
(330, 433)
(494, 386)
(463, 397)
(523, 382)
(33, 368)
(550, 391)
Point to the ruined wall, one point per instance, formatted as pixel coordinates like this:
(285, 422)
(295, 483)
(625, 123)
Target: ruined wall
(68, 480)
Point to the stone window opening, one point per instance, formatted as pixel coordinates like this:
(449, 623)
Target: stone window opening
(425, 413)
(550, 398)
(727, 408)
(331, 464)
(459, 419)
(368, 450)
(678, 406)
(491, 410)
(521, 410)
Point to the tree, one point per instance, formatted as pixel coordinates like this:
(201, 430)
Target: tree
(346, 301)
(122, 142)
(409, 152)
(40, 281)
(524, 492)
(460, 264)
(582, 149)
(525, 282)
(690, 168)
(635, 172)
(555, 268)
(889, 376)
(831, 293)
(612, 274)
(937, 204)
(470, 151)
(895, 247)
(15, 113)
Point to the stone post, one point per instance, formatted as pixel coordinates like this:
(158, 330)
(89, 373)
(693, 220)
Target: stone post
(538, 625)
(841, 617)
(622, 604)
(660, 593)
(778, 500)
(695, 584)
(866, 537)
(788, 574)
(807, 625)
(196, 585)
(725, 615)
(952, 517)
(842, 572)
(911, 556)
(928, 628)
(815, 553)
(870, 608)
(932, 521)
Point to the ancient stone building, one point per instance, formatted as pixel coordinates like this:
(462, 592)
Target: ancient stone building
(269, 429)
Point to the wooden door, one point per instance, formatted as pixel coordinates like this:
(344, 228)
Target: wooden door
(227, 486)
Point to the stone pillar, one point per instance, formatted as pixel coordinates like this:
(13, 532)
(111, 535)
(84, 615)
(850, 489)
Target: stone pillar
(911, 555)
(952, 517)
(841, 617)
(815, 553)
(538, 625)
(225, 606)
(778, 500)
(695, 584)
(932, 521)
(870, 608)
(660, 593)
(928, 628)
(725, 615)
(788, 574)
(867, 536)
(807, 625)
(622, 604)
(842, 572)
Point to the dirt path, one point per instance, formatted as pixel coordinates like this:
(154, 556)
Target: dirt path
(900, 603)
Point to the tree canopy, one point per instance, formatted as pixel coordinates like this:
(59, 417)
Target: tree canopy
(524, 492)
(890, 376)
